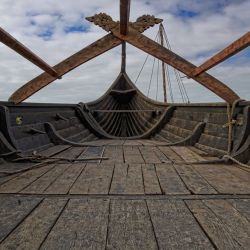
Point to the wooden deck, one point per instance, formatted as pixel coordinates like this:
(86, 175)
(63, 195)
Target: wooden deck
(144, 196)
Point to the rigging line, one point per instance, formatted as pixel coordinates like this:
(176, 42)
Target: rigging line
(169, 83)
(151, 77)
(157, 74)
(183, 87)
(180, 89)
(177, 73)
(157, 79)
(145, 61)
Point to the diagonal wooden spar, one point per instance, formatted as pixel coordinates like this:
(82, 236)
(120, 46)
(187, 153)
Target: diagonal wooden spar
(124, 16)
(12, 43)
(97, 48)
(229, 51)
(149, 46)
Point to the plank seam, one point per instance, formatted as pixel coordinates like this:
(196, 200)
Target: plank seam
(24, 218)
(52, 226)
(201, 227)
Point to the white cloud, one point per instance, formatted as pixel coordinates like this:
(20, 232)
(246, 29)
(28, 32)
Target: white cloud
(217, 24)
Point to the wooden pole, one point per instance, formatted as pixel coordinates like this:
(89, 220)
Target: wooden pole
(124, 16)
(123, 65)
(163, 67)
(229, 51)
(12, 43)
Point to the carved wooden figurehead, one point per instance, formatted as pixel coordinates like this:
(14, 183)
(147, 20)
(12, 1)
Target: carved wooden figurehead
(121, 32)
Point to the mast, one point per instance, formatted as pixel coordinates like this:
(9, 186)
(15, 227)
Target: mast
(163, 66)
(124, 22)
(123, 64)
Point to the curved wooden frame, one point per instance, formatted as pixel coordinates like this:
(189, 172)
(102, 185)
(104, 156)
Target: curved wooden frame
(131, 33)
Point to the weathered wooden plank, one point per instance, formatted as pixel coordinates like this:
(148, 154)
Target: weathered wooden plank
(237, 225)
(115, 154)
(242, 205)
(170, 181)
(132, 143)
(119, 181)
(130, 226)
(236, 171)
(92, 152)
(95, 179)
(194, 181)
(33, 230)
(149, 155)
(132, 155)
(12, 211)
(100, 46)
(186, 154)
(170, 154)
(222, 180)
(45, 180)
(162, 157)
(151, 183)
(127, 179)
(54, 150)
(20, 182)
(82, 225)
(175, 227)
(213, 226)
(65, 181)
(6, 178)
(146, 142)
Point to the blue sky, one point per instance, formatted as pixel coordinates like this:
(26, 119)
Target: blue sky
(56, 29)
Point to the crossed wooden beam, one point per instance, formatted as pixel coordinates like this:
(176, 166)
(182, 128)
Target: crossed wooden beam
(123, 31)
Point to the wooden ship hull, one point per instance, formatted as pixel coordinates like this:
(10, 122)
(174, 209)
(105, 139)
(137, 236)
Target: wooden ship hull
(124, 113)
(124, 171)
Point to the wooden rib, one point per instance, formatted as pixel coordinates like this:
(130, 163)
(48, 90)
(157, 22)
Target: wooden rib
(100, 46)
(149, 46)
(22, 50)
(124, 16)
(229, 51)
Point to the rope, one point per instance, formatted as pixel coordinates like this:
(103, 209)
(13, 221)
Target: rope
(169, 84)
(230, 123)
(54, 160)
(151, 77)
(235, 161)
(182, 88)
(144, 61)
(157, 80)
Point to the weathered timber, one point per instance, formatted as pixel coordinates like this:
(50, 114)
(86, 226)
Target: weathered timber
(12, 43)
(100, 46)
(33, 230)
(130, 226)
(13, 210)
(149, 46)
(229, 51)
(82, 225)
(175, 227)
(170, 181)
(124, 16)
